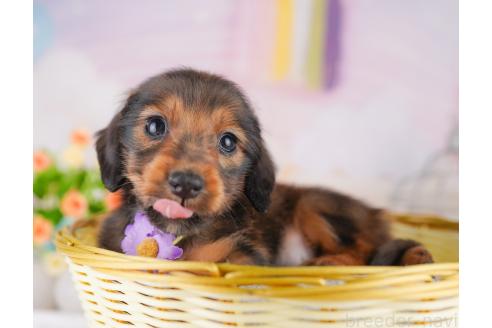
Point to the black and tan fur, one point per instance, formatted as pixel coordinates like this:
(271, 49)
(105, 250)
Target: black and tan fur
(241, 216)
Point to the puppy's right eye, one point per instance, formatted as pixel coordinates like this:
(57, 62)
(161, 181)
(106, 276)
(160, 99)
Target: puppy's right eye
(156, 127)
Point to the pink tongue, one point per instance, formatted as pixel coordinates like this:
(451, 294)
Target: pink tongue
(172, 209)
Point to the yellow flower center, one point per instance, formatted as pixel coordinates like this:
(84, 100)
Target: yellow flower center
(148, 247)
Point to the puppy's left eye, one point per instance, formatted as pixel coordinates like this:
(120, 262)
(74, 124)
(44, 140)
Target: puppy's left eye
(227, 142)
(156, 127)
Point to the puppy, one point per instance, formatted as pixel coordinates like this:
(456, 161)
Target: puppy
(187, 150)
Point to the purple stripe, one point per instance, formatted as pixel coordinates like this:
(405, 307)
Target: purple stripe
(332, 44)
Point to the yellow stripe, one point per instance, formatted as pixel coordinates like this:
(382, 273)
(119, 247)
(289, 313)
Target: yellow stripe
(283, 56)
(314, 64)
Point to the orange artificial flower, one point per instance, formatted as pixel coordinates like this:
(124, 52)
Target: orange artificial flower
(80, 137)
(41, 161)
(113, 200)
(42, 230)
(74, 204)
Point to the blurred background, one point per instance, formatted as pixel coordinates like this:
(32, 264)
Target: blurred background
(358, 96)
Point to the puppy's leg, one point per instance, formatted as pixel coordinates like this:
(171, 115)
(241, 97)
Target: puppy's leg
(340, 230)
(337, 259)
(238, 248)
(246, 258)
(214, 251)
(357, 254)
(416, 255)
(319, 236)
(112, 230)
(401, 252)
(249, 250)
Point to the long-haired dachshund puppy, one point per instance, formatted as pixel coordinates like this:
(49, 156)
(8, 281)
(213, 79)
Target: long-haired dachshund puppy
(187, 150)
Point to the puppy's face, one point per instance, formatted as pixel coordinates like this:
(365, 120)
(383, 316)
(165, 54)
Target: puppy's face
(194, 156)
(190, 138)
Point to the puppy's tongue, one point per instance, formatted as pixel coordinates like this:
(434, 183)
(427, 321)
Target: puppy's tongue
(172, 209)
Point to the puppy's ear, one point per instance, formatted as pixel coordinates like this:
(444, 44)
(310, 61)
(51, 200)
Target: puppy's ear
(108, 147)
(260, 181)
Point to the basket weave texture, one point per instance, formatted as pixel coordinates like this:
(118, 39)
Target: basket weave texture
(117, 290)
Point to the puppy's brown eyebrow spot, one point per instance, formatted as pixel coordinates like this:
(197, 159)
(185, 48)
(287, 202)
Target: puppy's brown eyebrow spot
(224, 119)
(170, 107)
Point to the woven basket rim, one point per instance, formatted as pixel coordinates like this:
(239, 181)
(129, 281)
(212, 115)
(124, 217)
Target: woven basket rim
(284, 282)
(426, 220)
(69, 245)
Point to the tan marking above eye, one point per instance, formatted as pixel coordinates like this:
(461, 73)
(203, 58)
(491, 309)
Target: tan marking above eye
(223, 120)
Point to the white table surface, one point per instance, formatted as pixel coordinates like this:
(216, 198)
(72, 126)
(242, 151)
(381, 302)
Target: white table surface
(58, 319)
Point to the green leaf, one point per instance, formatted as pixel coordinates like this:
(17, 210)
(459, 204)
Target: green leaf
(97, 207)
(54, 215)
(46, 180)
(73, 179)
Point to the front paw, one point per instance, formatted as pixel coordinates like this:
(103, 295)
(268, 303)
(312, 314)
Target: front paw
(416, 255)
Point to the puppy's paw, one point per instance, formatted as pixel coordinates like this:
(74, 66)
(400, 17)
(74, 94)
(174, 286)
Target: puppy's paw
(337, 259)
(416, 255)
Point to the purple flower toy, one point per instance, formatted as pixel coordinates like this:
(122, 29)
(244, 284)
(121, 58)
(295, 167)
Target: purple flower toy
(143, 239)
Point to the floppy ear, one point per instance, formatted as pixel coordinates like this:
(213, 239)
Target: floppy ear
(108, 147)
(260, 181)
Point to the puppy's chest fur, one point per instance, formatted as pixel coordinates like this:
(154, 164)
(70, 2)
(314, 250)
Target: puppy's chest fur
(293, 249)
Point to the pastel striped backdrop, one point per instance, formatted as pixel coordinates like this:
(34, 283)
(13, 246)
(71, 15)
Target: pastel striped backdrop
(354, 95)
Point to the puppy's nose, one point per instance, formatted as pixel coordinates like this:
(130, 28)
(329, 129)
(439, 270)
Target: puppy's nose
(185, 184)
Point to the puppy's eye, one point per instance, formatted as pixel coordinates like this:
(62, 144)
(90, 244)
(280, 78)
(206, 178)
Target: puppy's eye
(227, 142)
(156, 126)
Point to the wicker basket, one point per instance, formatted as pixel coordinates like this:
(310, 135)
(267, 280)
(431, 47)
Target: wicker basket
(117, 290)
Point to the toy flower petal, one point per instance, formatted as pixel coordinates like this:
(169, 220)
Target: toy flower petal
(142, 225)
(164, 238)
(142, 229)
(166, 248)
(171, 253)
(136, 232)
(130, 242)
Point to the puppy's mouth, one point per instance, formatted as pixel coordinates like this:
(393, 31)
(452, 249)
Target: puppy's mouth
(172, 209)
